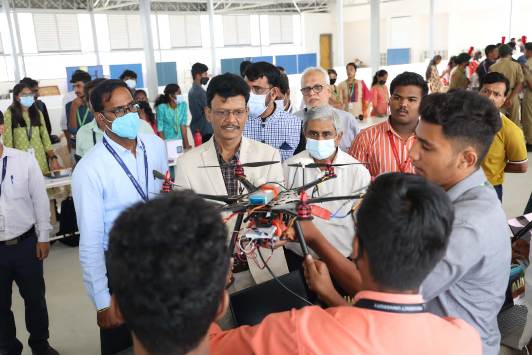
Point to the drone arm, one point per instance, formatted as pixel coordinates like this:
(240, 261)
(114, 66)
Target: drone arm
(341, 268)
(236, 231)
(247, 184)
(313, 183)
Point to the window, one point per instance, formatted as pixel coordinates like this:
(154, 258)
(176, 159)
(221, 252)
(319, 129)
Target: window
(281, 29)
(236, 30)
(56, 32)
(185, 31)
(124, 31)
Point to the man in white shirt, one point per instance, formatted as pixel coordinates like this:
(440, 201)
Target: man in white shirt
(317, 92)
(24, 232)
(323, 132)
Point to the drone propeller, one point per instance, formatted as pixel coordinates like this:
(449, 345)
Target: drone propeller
(320, 165)
(335, 198)
(245, 165)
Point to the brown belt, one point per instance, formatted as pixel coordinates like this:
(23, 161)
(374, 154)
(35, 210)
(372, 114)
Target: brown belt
(20, 238)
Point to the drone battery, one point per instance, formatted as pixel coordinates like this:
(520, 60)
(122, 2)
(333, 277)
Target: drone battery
(261, 197)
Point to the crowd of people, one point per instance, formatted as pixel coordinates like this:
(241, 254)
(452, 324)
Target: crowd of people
(425, 256)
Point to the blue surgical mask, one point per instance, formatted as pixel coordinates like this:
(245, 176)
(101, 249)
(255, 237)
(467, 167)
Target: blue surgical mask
(126, 126)
(27, 101)
(256, 104)
(320, 149)
(179, 99)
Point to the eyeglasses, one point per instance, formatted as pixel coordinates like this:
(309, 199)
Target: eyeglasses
(121, 111)
(223, 114)
(316, 88)
(260, 91)
(487, 92)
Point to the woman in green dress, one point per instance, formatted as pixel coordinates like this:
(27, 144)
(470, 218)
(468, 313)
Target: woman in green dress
(172, 117)
(24, 129)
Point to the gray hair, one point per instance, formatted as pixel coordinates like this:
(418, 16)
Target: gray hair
(323, 113)
(315, 70)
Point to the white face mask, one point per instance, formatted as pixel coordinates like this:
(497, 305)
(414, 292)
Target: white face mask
(320, 149)
(179, 99)
(257, 104)
(131, 83)
(279, 104)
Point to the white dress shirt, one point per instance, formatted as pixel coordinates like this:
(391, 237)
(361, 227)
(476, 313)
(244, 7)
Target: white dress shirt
(24, 202)
(101, 191)
(340, 229)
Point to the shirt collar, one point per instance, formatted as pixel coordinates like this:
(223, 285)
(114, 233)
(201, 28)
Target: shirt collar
(388, 128)
(476, 179)
(402, 298)
(120, 149)
(7, 152)
(219, 152)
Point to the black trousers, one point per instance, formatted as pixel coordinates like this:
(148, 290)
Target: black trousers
(19, 263)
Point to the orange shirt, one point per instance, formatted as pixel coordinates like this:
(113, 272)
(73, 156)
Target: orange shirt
(374, 146)
(350, 330)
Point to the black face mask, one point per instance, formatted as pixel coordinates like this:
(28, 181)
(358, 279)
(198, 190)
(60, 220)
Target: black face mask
(382, 82)
(204, 81)
(332, 81)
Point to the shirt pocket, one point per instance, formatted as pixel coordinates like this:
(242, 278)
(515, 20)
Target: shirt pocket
(285, 146)
(15, 187)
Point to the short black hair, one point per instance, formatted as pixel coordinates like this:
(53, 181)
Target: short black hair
(285, 84)
(198, 68)
(103, 91)
(31, 83)
(528, 46)
(409, 78)
(264, 69)
(495, 77)
(489, 48)
(140, 91)
(352, 65)
(411, 233)
(87, 89)
(227, 85)
(280, 68)
(167, 264)
(505, 50)
(462, 58)
(80, 75)
(243, 67)
(465, 116)
(128, 74)
(331, 71)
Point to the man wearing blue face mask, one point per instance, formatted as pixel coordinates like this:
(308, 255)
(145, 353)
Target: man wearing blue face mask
(115, 174)
(323, 131)
(266, 123)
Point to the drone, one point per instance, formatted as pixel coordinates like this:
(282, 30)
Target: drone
(267, 211)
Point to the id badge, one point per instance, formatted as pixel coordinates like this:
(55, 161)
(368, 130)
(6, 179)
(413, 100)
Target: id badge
(350, 106)
(2, 224)
(31, 151)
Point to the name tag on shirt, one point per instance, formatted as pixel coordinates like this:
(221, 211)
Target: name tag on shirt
(31, 151)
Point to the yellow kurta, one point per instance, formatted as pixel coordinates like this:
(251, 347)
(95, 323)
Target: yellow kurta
(17, 137)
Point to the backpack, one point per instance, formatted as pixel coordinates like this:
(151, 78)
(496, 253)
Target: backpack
(68, 225)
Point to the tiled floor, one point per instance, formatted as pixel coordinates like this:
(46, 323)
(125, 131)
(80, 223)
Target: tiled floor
(73, 320)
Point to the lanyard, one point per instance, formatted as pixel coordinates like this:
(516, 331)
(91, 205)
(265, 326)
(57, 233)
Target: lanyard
(82, 122)
(176, 120)
(29, 133)
(134, 181)
(4, 169)
(93, 137)
(390, 307)
(402, 166)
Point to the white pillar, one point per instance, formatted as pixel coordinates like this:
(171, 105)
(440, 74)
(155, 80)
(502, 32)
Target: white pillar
(19, 44)
(375, 35)
(95, 38)
(339, 62)
(151, 69)
(14, 56)
(210, 8)
(431, 29)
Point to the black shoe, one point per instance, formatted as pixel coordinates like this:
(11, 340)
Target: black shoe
(45, 349)
(15, 349)
(529, 147)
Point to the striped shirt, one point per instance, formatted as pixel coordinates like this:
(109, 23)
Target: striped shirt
(281, 130)
(375, 146)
